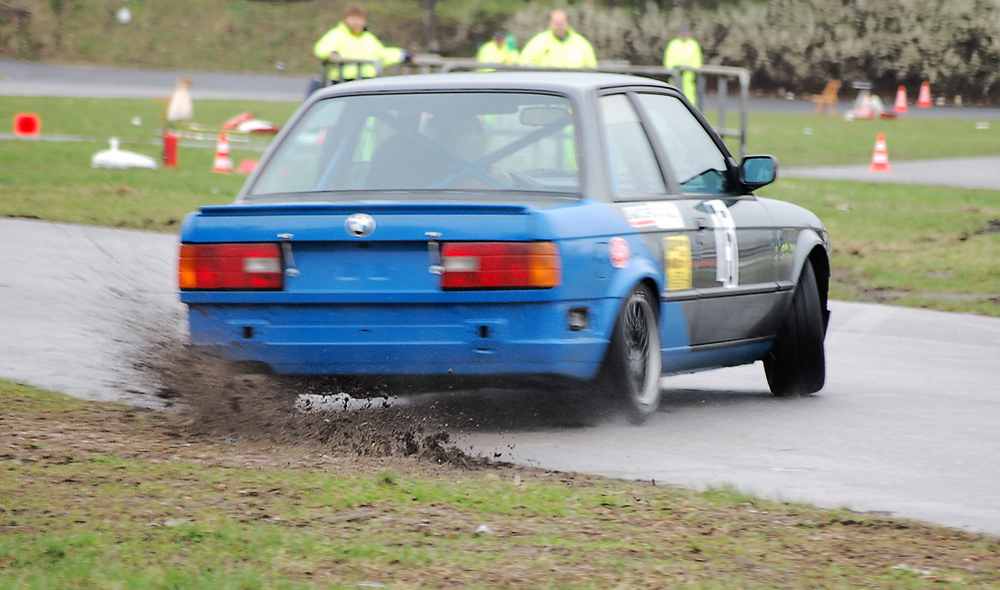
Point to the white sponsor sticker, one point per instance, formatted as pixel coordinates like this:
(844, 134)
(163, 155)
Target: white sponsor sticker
(639, 216)
(658, 215)
(666, 215)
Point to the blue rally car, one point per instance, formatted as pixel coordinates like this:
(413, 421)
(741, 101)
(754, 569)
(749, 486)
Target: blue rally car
(456, 230)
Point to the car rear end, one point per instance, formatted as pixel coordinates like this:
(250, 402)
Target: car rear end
(445, 289)
(371, 243)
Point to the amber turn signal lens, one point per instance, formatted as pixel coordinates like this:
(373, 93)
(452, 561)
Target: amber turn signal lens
(500, 265)
(232, 267)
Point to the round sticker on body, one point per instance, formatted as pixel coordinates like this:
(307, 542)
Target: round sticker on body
(619, 252)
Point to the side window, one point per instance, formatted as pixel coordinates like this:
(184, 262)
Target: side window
(699, 165)
(632, 165)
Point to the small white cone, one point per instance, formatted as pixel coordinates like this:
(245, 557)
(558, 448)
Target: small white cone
(116, 159)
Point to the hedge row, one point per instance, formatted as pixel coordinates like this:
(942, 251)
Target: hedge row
(953, 44)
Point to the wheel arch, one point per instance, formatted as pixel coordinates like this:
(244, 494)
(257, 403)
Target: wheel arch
(641, 274)
(813, 249)
(821, 268)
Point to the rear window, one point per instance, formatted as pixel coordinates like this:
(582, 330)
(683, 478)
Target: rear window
(426, 141)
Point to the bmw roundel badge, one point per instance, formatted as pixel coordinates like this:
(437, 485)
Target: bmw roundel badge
(360, 225)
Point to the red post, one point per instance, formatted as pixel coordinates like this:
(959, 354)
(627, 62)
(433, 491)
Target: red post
(169, 149)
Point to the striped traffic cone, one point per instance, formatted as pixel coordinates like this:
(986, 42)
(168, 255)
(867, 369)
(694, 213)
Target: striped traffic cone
(223, 163)
(880, 157)
(901, 106)
(924, 98)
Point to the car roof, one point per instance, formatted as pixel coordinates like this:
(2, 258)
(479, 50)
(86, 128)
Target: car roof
(561, 82)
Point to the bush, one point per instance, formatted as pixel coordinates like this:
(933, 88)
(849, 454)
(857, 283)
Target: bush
(954, 45)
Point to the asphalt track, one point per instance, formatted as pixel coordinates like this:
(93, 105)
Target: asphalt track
(906, 425)
(974, 173)
(18, 78)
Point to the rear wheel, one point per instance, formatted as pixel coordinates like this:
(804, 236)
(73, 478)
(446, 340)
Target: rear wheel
(632, 367)
(796, 363)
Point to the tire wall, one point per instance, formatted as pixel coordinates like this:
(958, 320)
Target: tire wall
(810, 249)
(821, 265)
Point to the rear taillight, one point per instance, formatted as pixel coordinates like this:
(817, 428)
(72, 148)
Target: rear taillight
(500, 265)
(248, 267)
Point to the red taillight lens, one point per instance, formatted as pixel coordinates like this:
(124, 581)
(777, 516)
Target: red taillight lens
(500, 265)
(249, 267)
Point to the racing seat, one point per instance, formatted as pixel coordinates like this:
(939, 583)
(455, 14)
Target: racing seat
(400, 162)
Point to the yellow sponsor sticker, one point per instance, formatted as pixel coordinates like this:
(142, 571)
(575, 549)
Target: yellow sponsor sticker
(677, 262)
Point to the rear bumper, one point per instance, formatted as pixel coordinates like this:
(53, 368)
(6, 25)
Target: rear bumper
(505, 339)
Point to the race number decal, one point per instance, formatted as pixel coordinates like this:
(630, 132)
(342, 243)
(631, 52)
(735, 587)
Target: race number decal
(727, 251)
(677, 262)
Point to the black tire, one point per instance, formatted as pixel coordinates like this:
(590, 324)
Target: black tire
(632, 366)
(796, 364)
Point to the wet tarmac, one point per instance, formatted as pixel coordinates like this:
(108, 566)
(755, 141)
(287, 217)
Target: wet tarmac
(20, 78)
(83, 308)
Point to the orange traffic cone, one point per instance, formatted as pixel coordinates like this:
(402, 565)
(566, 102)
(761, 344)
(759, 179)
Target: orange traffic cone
(880, 158)
(924, 98)
(223, 163)
(901, 106)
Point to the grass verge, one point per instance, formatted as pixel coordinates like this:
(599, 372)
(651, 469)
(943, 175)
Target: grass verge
(109, 496)
(53, 180)
(931, 247)
(804, 140)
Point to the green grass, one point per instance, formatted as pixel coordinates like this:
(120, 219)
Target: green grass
(100, 119)
(99, 496)
(930, 247)
(804, 140)
(55, 181)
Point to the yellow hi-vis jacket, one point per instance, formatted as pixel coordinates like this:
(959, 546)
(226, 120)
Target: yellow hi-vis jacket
(680, 52)
(490, 53)
(350, 46)
(546, 50)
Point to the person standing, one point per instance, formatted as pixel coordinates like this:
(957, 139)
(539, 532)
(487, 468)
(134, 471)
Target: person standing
(501, 49)
(351, 39)
(684, 51)
(559, 46)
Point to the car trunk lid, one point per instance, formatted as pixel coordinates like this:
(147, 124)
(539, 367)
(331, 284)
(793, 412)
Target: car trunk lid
(374, 251)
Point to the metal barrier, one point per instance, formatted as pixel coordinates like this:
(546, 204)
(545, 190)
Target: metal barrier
(431, 63)
(328, 66)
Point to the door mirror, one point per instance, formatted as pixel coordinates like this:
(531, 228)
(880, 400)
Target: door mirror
(758, 171)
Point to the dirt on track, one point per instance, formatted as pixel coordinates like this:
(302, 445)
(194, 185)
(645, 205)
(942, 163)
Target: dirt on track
(217, 402)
